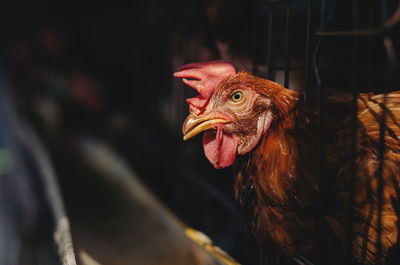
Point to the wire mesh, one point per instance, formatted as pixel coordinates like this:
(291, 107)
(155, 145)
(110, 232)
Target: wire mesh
(318, 35)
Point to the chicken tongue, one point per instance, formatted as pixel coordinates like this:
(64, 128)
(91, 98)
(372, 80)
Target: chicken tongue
(219, 148)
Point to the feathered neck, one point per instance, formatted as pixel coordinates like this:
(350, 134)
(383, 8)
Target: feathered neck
(272, 168)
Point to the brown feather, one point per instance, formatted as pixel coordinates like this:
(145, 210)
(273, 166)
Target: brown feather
(276, 182)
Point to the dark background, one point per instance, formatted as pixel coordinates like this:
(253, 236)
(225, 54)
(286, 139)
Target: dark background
(105, 70)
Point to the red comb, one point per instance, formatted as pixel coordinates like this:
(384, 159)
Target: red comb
(208, 75)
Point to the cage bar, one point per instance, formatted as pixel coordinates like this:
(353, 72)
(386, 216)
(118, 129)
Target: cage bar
(307, 91)
(321, 161)
(271, 69)
(287, 41)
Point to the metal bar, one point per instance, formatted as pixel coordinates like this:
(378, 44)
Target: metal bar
(292, 68)
(35, 150)
(271, 70)
(307, 91)
(353, 146)
(330, 66)
(275, 2)
(359, 32)
(321, 151)
(263, 253)
(321, 179)
(278, 258)
(383, 11)
(254, 42)
(261, 256)
(62, 234)
(381, 156)
(370, 44)
(369, 83)
(322, 18)
(287, 41)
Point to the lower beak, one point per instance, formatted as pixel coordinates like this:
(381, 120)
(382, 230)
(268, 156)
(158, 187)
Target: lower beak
(195, 124)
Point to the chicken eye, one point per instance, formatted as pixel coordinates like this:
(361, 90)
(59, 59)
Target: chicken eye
(237, 97)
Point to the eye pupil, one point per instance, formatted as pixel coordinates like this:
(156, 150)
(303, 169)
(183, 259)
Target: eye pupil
(236, 97)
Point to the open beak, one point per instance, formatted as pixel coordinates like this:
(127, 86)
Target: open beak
(195, 124)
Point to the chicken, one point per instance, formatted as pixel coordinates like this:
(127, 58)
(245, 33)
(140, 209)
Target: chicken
(270, 136)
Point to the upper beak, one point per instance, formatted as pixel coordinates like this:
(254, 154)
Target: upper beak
(195, 124)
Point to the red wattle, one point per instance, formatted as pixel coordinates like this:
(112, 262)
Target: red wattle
(219, 148)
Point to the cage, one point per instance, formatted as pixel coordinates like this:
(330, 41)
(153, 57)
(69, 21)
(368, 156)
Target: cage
(321, 48)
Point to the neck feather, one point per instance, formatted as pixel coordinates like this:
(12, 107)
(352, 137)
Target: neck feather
(273, 168)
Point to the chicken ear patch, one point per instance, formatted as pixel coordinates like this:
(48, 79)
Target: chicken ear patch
(219, 148)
